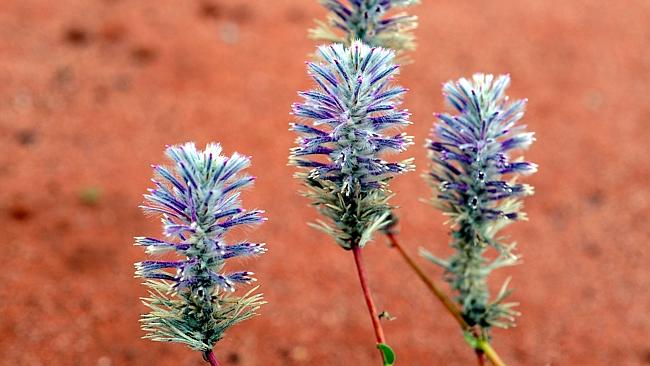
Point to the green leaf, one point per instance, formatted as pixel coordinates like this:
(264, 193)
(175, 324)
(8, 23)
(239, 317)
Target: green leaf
(471, 339)
(90, 195)
(387, 352)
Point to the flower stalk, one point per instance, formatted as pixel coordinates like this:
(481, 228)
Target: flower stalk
(449, 305)
(490, 353)
(372, 309)
(480, 357)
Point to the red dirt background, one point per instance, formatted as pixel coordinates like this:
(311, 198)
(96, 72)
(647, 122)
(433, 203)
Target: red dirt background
(91, 91)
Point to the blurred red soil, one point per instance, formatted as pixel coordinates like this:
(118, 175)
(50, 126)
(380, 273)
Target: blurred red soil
(91, 91)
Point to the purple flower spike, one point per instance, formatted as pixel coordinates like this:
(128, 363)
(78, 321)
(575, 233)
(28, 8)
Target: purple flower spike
(197, 197)
(471, 149)
(369, 21)
(347, 125)
(350, 111)
(474, 176)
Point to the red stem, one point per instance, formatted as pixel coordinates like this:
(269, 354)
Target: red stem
(358, 259)
(210, 358)
(480, 356)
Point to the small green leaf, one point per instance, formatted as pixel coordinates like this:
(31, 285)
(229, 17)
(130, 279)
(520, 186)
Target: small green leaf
(389, 355)
(471, 339)
(90, 195)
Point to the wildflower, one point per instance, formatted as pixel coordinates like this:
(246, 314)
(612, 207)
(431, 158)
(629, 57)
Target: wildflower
(191, 298)
(369, 22)
(343, 125)
(476, 182)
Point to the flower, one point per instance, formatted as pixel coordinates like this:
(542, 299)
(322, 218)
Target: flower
(476, 183)
(366, 20)
(343, 125)
(191, 299)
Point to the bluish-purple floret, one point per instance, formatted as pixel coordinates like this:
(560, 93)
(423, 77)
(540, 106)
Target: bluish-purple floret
(344, 122)
(198, 198)
(471, 149)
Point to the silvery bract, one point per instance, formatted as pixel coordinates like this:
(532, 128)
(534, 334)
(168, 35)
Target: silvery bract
(191, 300)
(344, 125)
(475, 178)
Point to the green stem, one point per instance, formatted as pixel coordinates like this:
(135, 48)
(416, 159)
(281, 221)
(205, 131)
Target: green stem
(490, 353)
(446, 301)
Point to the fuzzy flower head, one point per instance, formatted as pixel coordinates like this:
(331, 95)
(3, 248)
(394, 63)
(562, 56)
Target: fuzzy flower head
(475, 177)
(473, 169)
(368, 21)
(344, 125)
(191, 298)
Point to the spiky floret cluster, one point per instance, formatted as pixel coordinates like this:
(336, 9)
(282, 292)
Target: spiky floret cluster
(342, 125)
(475, 179)
(191, 300)
(368, 21)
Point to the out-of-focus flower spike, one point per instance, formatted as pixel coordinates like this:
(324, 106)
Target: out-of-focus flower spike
(375, 23)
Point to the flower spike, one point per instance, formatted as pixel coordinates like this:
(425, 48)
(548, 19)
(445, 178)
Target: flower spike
(191, 298)
(475, 179)
(345, 126)
(368, 21)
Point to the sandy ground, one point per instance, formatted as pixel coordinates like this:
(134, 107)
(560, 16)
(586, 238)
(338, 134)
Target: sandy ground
(91, 91)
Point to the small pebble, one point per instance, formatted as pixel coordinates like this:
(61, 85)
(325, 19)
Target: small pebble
(229, 33)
